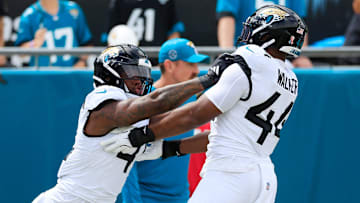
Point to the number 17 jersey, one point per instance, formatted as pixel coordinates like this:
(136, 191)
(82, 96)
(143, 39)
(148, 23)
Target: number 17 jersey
(255, 97)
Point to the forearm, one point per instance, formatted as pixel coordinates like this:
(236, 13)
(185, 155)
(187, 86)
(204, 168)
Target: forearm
(176, 122)
(171, 96)
(226, 32)
(184, 119)
(195, 144)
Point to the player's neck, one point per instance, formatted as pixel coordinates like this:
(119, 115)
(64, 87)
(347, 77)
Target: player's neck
(276, 54)
(50, 6)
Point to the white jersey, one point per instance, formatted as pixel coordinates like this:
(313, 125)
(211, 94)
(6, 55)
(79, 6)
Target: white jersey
(88, 172)
(255, 100)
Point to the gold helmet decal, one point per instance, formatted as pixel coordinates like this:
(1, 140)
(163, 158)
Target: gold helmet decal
(109, 52)
(277, 13)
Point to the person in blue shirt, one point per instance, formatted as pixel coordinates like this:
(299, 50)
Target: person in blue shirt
(54, 24)
(231, 14)
(159, 180)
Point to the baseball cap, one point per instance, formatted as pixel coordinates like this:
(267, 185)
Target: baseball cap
(181, 49)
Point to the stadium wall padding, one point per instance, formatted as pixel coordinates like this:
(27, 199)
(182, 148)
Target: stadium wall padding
(317, 159)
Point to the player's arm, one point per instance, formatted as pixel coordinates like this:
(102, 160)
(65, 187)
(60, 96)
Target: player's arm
(232, 86)
(185, 118)
(226, 31)
(124, 113)
(194, 144)
(164, 149)
(226, 11)
(114, 114)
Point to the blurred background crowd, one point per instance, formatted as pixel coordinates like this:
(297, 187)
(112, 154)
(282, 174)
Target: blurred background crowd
(213, 23)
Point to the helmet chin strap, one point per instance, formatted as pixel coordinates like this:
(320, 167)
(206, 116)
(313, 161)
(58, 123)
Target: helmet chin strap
(268, 43)
(126, 88)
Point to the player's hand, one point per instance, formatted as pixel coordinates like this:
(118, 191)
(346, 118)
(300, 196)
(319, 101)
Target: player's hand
(118, 143)
(217, 68)
(151, 151)
(39, 38)
(140, 136)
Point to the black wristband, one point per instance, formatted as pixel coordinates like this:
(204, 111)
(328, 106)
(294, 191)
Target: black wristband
(171, 148)
(137, 137)
(207, 81)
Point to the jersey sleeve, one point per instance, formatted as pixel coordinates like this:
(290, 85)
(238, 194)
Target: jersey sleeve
(227, 8)
(232, 86)
(83, 31)
(101, 94)
(25, 33)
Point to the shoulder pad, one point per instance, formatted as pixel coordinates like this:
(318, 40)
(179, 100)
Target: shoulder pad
(101, 94)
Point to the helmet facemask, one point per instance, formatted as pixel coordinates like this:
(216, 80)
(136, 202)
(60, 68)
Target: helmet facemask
(138, 73)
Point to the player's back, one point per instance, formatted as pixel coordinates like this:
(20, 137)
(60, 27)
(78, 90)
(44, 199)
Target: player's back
(249, 130)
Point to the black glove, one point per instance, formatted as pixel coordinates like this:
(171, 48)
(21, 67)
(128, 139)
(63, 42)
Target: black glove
(140, 136)
(217, 68)
(171, 148)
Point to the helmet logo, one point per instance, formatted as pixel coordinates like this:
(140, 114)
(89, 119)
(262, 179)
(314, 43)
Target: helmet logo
(109, 52)
(274, 11)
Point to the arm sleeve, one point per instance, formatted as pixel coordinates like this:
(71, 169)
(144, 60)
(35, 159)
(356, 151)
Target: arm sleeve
(24, 32)
(232, 86)
(227, 8)
(84, 34)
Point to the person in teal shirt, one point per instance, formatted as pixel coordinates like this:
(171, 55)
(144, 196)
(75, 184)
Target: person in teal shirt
(231, 14)
(54, 24)
(158, 181)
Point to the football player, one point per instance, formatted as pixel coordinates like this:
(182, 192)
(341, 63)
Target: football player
(118, 104)
(248, 108)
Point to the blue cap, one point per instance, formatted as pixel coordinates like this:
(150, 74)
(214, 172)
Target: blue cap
(181, 49)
